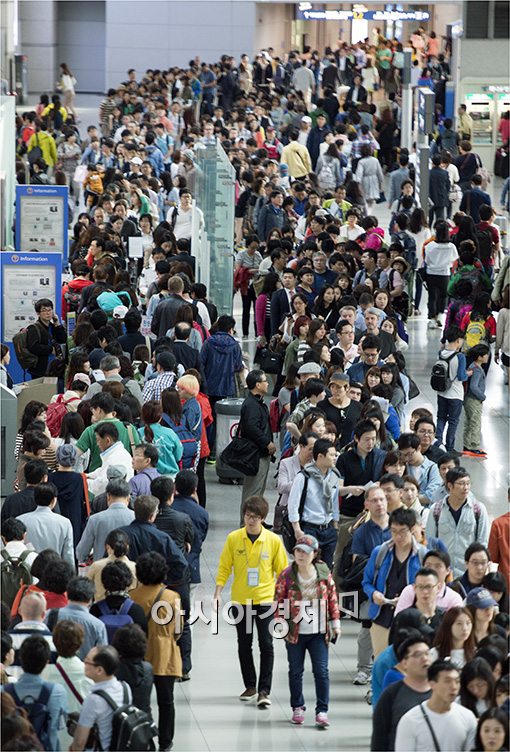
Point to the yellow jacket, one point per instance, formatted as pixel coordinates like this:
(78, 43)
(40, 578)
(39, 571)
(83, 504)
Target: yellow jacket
(46, 144)
(297, 157)
(51, 107)
(267, 554)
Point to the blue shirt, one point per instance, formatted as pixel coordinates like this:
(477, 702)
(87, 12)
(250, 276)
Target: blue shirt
(31, 685)
(95, 630)
(367, 537)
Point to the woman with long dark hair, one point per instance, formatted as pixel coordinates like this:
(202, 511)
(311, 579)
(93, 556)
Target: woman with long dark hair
(455, 639)
(325, 306)
(263, 307)
(420, 230)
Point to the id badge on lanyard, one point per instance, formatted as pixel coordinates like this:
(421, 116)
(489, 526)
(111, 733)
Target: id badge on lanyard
(253, 576)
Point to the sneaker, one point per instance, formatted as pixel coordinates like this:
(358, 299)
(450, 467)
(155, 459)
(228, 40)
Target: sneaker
(210, 460)
(248, 694)
(431, 324)
(298, 716)
(263, 700)
(321, 721)
(416, 312)
(361, 678)
(368, 697)
(475, 453)
(184, 678)
(438, 323)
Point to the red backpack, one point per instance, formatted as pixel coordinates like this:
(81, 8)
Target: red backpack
(275, 415)
(55, 413)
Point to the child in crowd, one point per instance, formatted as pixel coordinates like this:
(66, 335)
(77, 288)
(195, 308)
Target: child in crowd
(473, 401)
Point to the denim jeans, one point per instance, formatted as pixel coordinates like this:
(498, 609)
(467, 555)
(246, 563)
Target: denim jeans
(245, 643)
(327, 541)
(318, 650)
(448, 411)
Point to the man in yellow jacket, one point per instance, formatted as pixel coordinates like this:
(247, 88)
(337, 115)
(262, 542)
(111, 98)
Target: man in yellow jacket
(296, 156)
(45, 142)
(255, 556)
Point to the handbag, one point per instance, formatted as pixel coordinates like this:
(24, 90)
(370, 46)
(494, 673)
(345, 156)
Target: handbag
(286, 529)
(242, 455)
(74, 717)
(413, 389)
(269, 361)
(36, 152)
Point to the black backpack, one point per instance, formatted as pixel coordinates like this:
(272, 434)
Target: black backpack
(484, 238)
(14, 573)
(440, 380)
(132, 728)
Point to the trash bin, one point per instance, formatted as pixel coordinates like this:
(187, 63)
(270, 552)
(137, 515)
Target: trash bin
(227, 420)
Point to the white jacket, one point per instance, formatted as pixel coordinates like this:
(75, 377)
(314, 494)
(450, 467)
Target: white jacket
(115, 455)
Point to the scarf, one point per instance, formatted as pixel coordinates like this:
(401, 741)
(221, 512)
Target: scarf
(328, 488)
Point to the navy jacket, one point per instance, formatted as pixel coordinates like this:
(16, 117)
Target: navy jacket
(145, 536)
(200, 521)
(315, 139)
(439, 186)
(279, 307)
(221, 357)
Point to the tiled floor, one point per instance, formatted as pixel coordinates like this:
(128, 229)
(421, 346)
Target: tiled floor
(208, 713)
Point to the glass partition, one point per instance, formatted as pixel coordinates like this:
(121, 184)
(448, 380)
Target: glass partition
(7, 170)
(215, 196)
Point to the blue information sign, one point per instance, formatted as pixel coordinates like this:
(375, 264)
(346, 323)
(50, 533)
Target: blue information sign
(25, 278)
(42, 219)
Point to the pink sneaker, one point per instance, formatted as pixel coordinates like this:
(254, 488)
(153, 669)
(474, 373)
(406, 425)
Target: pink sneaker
(298, 716)
(321, 721)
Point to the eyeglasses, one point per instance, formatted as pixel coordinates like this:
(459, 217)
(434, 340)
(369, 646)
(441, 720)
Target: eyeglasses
(425, 587)
(478, 563)
(90, 663)
(399, 533)
(465, 483)
(253, 517)
(422, 432)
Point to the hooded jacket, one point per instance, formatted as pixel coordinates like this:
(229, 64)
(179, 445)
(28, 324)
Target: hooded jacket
(221, 358)
(139, 675)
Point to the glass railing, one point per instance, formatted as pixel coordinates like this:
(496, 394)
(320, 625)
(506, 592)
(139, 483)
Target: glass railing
(215, 197)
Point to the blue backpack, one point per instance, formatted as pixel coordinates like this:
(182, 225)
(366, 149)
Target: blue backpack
(113, 619)
(109, 300)
(36, 709)
(189, 443)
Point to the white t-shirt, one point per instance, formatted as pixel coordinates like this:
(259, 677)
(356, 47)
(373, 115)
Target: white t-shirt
(454, 730)
(419, 238)
(439, 258)
(346, 232)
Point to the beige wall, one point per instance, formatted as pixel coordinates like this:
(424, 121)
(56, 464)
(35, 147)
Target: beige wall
(273, 26)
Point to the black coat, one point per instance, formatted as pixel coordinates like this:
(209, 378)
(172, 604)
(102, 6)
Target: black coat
(41, 340)
(177, 524)
(254, 423)
(188, 357)
(362, 94)
(439, 186)
(279, 307)
(139, 675)
(145, 536)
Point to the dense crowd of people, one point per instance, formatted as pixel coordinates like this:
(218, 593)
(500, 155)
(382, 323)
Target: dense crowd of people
(103, 533)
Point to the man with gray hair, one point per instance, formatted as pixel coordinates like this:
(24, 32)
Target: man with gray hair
(373, 319)
(110, 366)
(100, 525)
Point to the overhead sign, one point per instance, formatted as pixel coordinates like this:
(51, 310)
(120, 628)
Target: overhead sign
(305, 12)
(42, 219)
